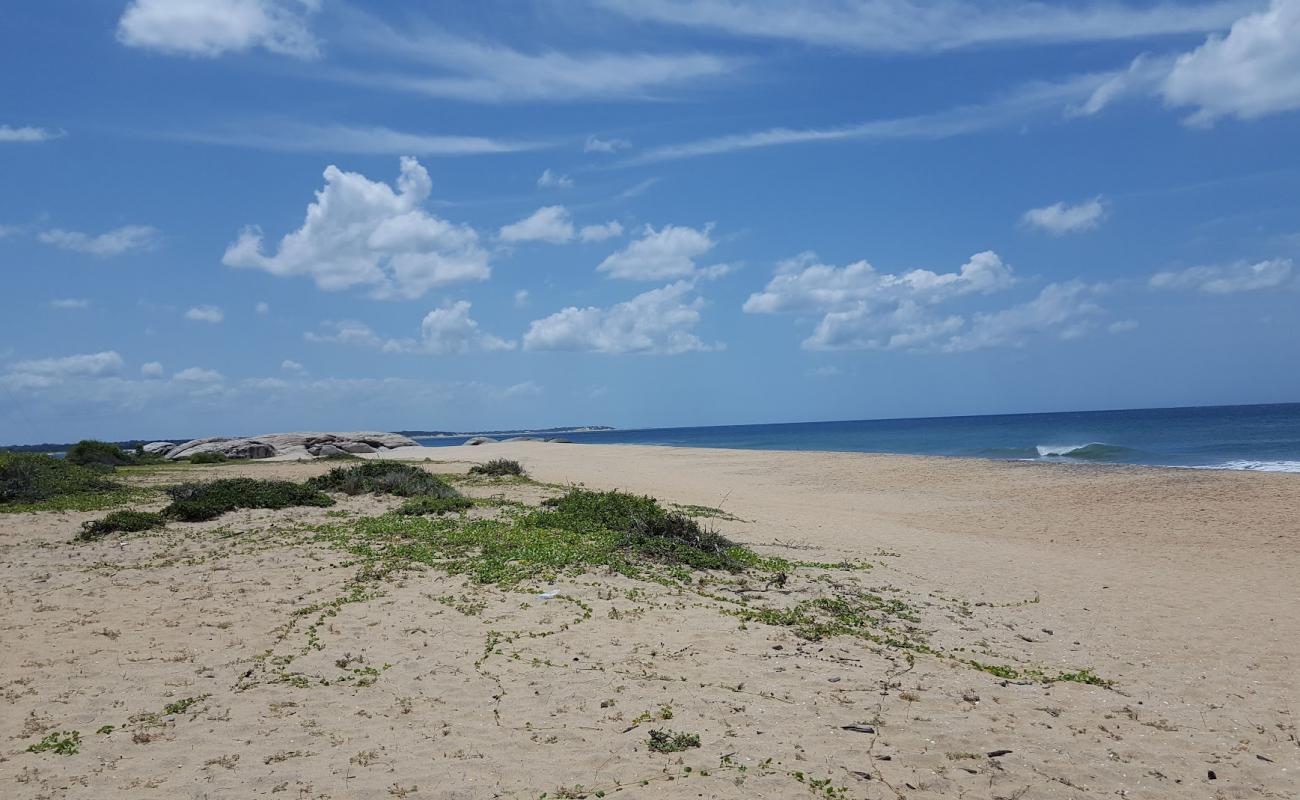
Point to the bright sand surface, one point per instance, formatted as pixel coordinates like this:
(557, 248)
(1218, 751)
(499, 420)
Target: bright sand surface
(1180, 586)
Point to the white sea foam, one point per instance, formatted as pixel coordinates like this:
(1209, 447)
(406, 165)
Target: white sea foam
(1045, 450)
(1256, 466)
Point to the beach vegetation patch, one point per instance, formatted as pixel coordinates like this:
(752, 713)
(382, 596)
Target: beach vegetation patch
(383, 477)
(93, 451)
(427, 504)
(498, 468)
(38, 482)
(662, 741)
(63, 743)
(121, 522)
(197, 502)
(210, 457)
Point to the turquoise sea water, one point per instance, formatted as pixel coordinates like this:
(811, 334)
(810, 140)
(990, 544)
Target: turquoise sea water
(1260, 437)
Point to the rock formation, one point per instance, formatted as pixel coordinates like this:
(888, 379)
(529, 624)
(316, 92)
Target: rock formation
(302, 445)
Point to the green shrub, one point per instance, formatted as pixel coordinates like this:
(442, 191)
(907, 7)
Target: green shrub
(645, 528)
(92, 451)
(211, 457)
(498, 467)
(121, 521)
(418, 506)
(672, 742)
(341, 457)
(196, 502)
(383, 477)
(36, 477)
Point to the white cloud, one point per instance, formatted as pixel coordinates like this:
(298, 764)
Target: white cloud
(105, 363)
(69, 304)
(667, 253)
(262, 308)
(9, 230)
(151, 369)
(362, 233)
(113, 243)
(599, 233)
(347, 331)
(198, 375)
(521, 298)
(525, 389)
(1004, 111)
(554, 225)
(554, 180)
(444, 65)
(1123, 326)
(291, 366)
(443, 331)
(209, 28)
(597, 145)
(907, 26)
(28, 134)
(449, 330)
(1061, 218)
(205, 314)
(1230, 279)
(548, 224)
(803, 284)
(1251, 72)
(1064, 307)
(862, 309)
(299, 137)
(659, 321)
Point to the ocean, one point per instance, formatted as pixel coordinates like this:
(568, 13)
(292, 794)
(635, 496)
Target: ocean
(1259, 437)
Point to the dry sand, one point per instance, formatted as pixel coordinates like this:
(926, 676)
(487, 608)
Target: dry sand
(1183, 587)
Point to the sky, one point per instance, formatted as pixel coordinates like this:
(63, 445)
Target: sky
(243, 216)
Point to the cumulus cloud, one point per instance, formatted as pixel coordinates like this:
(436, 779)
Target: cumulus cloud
(599, 233)
(208, 28)
(361, 232)
(804, 284)
(521, 298)
(198, 375)
(27, 134)
(69, 304)
(262, 308)
(443, 331)
(1065, 308)
(863, 309)
(1231, 279)
(548, 224)
(291, 366)
(113, 243)
(1251, 72)
(151, 369)
(205, 314)
(554, 225)
(554, 180)
(597, 145)
(104, 363)
(1061, 218)
(660, 321)
(663, 254)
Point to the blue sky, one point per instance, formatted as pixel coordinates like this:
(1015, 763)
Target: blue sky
(238, 216)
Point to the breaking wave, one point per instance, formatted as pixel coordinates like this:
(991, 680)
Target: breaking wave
(1092, 451)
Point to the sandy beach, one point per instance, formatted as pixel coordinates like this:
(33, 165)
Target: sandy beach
(233, 658)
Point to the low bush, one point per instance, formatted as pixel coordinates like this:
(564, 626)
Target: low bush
(36, 477)
(210, 457)
(92, 451)
(121, 522)
(419, 506)
(498, 467)
(671, 741)
(646, 528)
(196, 502)
(383, 477)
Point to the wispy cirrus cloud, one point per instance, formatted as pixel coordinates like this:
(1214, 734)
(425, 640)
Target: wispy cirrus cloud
(892, 26)
(305, 137)
(112, 243)
(28, 134)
